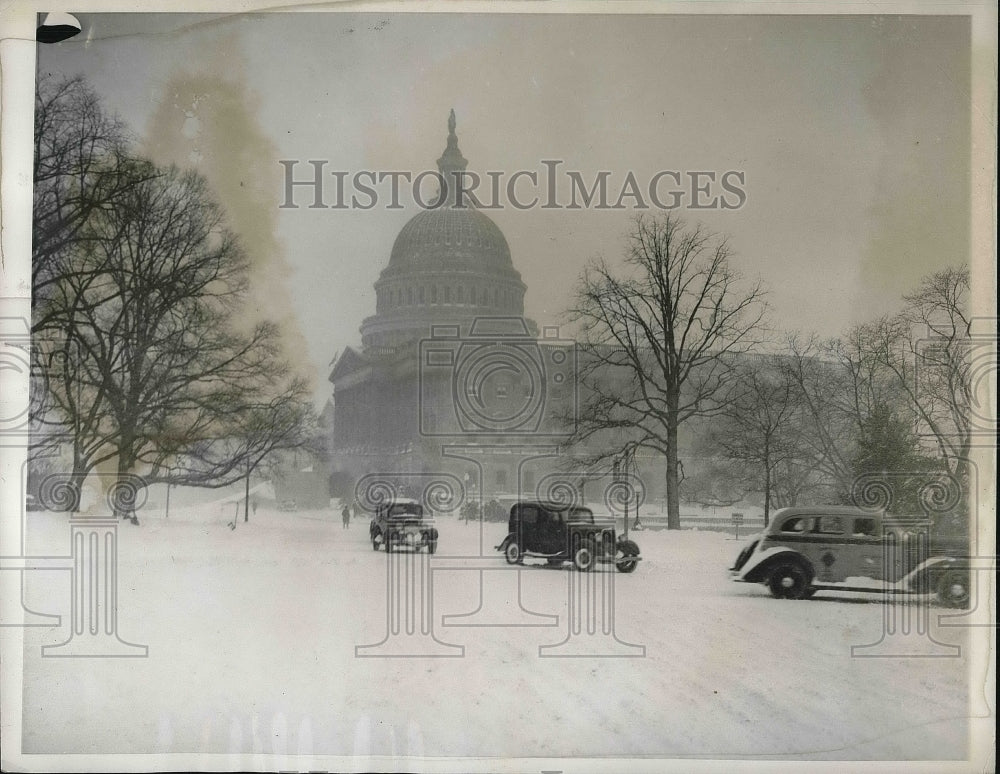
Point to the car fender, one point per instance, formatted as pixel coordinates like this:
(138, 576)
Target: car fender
(759, 565)
(506, 541)
(922, 576)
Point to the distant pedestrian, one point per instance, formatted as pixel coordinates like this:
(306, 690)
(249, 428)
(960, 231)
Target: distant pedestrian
(346, 516)
(255, 506)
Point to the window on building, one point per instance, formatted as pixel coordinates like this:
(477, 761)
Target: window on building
(447, 294)
(434, 294)
(421, 295)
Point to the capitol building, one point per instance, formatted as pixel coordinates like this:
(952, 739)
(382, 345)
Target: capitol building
(450, 375)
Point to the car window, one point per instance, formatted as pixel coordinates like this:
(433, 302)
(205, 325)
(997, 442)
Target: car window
(864, 527)
(796, 524)
(400, 509)
(830, 525)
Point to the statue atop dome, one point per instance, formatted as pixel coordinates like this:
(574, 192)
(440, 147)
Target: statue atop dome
(451, 160)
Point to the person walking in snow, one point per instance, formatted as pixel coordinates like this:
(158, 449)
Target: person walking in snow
(346, 515)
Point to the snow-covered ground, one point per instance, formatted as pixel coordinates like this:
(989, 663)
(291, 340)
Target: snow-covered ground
(252, 636)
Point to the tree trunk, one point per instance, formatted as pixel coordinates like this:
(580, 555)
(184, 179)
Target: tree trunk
(767, 496)
(79, 475)
(246, 497)
(767, 483)
(124, 502)
(673, 495)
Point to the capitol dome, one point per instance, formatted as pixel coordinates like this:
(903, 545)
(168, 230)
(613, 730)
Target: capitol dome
(448, 265)
(460, 238)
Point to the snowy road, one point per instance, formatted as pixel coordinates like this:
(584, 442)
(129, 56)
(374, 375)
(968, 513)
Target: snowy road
(252, 635)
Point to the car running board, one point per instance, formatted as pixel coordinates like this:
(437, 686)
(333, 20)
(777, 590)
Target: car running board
(866, 589)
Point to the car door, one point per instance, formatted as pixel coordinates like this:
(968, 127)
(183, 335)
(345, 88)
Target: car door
(867, 551)
(827, 554)
(553, 535)
(529, 518)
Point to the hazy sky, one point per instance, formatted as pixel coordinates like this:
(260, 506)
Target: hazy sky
(853, 134)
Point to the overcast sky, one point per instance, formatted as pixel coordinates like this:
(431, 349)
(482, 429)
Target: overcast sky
(852, 132)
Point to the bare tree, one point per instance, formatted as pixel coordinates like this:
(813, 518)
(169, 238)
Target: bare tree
(838, 385)
(278, 418)
(863, 396)
(155, 367)
(659, 339)
(81, 166)
(927, 349)
(759, 425)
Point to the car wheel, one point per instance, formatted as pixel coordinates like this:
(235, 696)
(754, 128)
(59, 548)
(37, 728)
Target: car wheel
(789, 580)
(623, 553)
(513, 553)
(953, 588)
(388, 542)
(375, 542)
(432, 546)
(584, 556)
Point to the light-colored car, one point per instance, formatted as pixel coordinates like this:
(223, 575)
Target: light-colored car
(804, 550)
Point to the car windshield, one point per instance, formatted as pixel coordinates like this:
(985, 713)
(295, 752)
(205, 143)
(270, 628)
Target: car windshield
(406, 509)
(579, 514)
